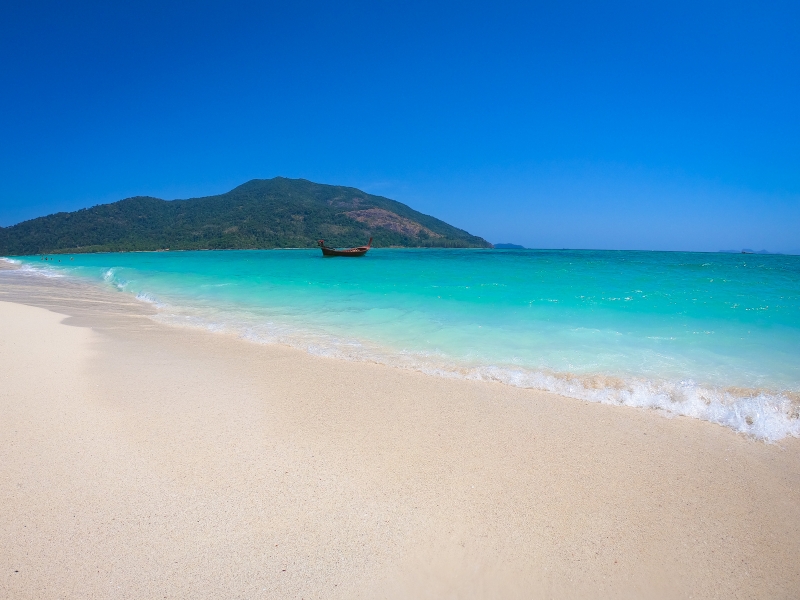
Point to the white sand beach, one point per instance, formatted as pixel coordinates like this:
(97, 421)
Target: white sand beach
(139, 460)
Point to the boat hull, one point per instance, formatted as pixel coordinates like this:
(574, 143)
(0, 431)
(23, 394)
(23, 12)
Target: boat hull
(358, 251)
(352, 252)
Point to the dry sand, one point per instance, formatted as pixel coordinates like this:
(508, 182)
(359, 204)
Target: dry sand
(139, 460)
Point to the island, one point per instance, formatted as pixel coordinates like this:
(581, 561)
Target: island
(262, 213)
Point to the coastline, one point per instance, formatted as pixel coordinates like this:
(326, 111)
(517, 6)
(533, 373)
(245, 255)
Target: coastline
(742, 374)
(142, 459)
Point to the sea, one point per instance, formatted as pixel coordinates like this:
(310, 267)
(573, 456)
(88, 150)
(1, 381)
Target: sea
(712, 336)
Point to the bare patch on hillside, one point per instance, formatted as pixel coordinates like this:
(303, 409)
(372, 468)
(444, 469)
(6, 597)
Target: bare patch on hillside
(378, 217)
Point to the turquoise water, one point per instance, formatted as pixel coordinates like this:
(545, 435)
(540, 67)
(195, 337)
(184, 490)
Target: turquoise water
(714, 336)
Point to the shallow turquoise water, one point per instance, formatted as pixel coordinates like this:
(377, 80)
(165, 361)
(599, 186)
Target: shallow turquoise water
(716, 336)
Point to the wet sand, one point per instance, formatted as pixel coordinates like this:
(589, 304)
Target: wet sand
(139, 460)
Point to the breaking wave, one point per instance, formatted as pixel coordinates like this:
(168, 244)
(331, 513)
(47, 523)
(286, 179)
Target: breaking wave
(31, 269)
(768, 415)
(110, 277)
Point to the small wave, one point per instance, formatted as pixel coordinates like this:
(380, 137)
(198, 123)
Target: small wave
(28, 269)
(150, 299)
(110, 277)
(762, 414)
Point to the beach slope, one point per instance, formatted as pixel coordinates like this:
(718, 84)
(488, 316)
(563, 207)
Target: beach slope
(140, 460)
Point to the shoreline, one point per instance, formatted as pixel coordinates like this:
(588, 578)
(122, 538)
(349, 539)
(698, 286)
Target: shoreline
(763, 413)
(141, 459)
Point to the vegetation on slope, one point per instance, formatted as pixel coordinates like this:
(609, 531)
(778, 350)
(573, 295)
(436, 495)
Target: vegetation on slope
(262, 213)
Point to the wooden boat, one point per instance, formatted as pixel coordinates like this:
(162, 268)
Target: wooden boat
(359, 251)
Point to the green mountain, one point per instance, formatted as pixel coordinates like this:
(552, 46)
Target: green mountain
(262, 213)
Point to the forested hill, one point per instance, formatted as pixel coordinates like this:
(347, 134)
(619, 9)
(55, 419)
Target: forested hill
(262, 213)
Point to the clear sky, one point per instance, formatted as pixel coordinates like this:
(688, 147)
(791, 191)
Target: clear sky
(651, 125)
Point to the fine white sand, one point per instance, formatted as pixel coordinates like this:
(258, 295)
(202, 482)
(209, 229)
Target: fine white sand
(144, 461)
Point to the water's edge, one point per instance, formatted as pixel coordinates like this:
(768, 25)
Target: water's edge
(763, 414)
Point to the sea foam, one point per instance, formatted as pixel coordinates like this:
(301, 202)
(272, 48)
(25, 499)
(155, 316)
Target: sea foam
(761, 414)
(25, 268)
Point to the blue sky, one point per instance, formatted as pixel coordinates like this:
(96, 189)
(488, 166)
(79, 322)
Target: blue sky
(582, 125)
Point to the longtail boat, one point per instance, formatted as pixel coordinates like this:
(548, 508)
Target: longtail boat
(359, 251)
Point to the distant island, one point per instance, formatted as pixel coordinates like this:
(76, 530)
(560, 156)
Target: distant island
(262, 213)
(509, 247)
